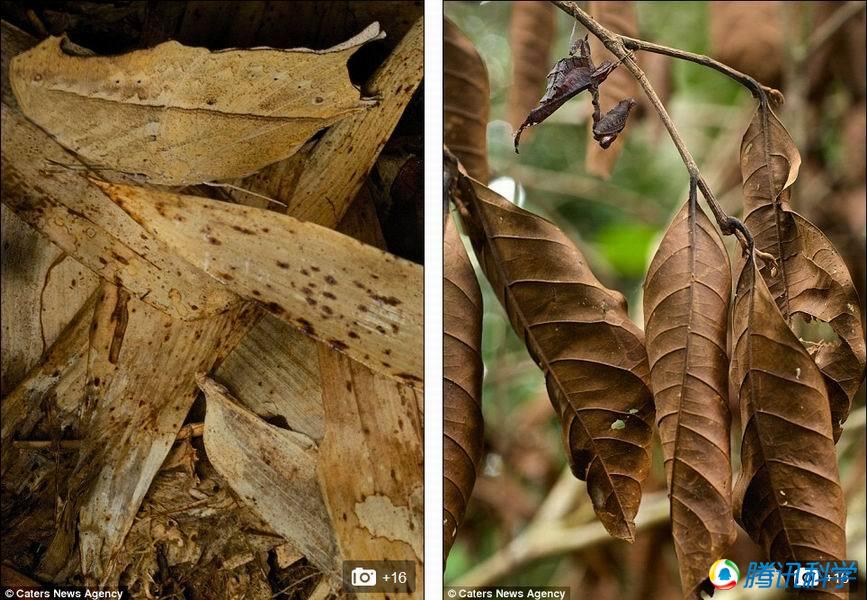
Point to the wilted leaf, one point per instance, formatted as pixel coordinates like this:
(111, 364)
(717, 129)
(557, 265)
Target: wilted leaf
(619, 17)
(179, 115)
(810, 278)
(356, 298)
(532, 31)
(751, 40)
(686, 301)
(466, 99)
(463, 436)
(580, 335)
(569, 77)
(788, 495)
(273, 470)
(606, 130)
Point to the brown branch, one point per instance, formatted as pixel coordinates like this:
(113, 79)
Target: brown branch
(617, 46)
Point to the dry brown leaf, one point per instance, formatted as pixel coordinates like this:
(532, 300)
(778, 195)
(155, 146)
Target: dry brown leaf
(749, 38)
(466, 99)
(463, 427)
(179, 115)
(788, 495)
(356, 298)
(273, 372)
(340, 162)
(686, 301)
(371, 464)
(140, 385)
(40, 184)
(580, 335)
(532, 30)
(810, 278)
(273, 470)
(619, 17)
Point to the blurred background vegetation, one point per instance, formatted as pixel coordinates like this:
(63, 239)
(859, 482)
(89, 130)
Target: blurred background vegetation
(617, 222)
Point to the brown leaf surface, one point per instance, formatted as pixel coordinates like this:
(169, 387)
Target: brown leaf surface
(532, 31)
(41, 185)
(686, 301)
(463, 435)
(580, 335)
(176, 114)
(788, 495)
(354, 297)
(619, 17)
(467, 101)
(273, 471)
(811, 279)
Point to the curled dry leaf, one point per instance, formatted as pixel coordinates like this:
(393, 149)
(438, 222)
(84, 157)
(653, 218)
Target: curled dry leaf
(569, 77)
(532, 31)
(608, 127)
(177, 115)
(580, 335)
(686, 302)
(810, 278)
(466, 101)
(463, 436)
(788, 495)
(619, 17)
(273, 470)
(356, 298)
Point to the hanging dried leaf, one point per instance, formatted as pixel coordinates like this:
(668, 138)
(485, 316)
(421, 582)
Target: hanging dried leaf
(466, 99)
(273, 470)
(686, 301)
(619, 17)
(811, 278)
(463, 436)
(176, 114)
(569, 77)
(580, 335)
(607, 128)
(532, 31)
(788, 496)
(356, 298)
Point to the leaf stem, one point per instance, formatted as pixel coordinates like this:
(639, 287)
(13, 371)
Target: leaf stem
(617, 45)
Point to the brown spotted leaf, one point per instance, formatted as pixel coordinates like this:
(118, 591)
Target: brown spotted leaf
(580, 335)
(686, 302)
(788, 495)
(532, 31)
(569, 77)
(811, 278)
(180, 115)
(463, 439)
(466, 101)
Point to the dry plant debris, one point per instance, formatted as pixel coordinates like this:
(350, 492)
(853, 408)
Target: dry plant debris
(129, 473)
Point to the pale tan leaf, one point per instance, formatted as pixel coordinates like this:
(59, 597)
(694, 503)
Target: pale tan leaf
(335, 169)
(141, 370)
(371, 462)
(273, 470)
(358, 299)
(177, 115)
(620, 18)
(41, 185)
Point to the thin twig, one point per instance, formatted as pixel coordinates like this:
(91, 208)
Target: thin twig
(615, 44)
(190, 430)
